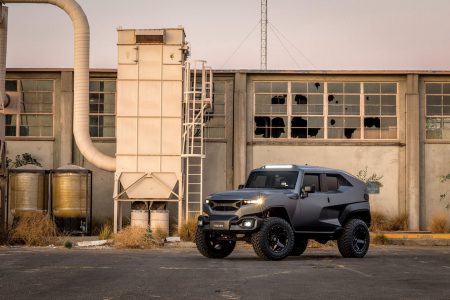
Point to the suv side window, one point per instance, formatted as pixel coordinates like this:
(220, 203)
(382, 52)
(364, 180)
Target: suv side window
(312, 180)
(335, 181)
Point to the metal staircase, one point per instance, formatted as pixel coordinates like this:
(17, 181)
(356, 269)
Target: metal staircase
(196, 99)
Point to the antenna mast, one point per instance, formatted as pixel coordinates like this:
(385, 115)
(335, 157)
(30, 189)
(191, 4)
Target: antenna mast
(263, 34)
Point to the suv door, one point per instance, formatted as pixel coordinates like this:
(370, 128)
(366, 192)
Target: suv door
(311, 211)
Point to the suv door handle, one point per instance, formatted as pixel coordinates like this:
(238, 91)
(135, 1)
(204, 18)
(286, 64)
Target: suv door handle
(328, 199)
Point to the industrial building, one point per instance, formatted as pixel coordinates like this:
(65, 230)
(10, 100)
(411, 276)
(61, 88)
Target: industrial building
(394, 123)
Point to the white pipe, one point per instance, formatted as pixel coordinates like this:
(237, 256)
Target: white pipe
(81, 83)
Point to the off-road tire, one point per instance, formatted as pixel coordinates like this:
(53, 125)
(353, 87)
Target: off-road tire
(264, 245)
(354, 240)
(299, 246)
(210, 247)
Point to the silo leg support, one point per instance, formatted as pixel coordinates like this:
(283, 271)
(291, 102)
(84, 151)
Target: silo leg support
(115, 215)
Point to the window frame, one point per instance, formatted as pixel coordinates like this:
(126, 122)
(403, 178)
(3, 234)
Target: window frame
(289, 115)
(272, 115)
(18, 115)
(320, 188)
(94, 114)
(441, 117)
(223, 115)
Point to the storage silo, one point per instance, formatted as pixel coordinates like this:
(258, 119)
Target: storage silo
(72, 199)
(27, 190)
(149, 118)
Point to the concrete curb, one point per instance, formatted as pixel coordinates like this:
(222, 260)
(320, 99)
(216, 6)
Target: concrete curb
(413, 238)
(92, 243)
(439, 236)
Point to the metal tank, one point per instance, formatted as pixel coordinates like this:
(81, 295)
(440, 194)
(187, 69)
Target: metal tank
(27, 190)
(71, 192)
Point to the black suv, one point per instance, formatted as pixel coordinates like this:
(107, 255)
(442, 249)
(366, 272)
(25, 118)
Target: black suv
(281, 207)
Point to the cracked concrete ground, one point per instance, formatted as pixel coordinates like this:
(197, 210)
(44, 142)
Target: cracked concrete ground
(387, 272)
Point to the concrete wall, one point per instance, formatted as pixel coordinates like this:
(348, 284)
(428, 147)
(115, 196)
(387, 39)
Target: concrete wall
(215, 168)
(43, 151)
(437, 164)
(349, 158)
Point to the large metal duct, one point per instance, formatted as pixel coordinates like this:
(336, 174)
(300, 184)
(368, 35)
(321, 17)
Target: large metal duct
(81, 82)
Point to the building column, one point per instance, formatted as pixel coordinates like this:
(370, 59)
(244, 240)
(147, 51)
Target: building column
(239, 129)
(64, 138)
(413, 184)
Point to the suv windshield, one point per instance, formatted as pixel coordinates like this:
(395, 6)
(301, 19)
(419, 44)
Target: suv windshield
(272, 180)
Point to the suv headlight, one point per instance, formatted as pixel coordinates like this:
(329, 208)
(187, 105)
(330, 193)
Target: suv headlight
(257, 201)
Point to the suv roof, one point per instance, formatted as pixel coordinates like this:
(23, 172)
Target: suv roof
(280, 167)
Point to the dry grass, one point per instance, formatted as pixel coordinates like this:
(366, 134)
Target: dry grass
(398, 222)
(315, 244)
(160, 234)
(380, 239)
(105, 232)
(136, 238)
(34, 229)
(440, 224)
(379, 221)
(187, 230)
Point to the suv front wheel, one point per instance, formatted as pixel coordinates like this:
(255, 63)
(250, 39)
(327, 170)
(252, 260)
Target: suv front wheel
(354, 240)
(274, 240)
(211, 247)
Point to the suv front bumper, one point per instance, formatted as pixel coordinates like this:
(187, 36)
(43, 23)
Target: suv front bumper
(229, 223)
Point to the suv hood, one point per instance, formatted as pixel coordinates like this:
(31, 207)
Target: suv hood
(246, 194)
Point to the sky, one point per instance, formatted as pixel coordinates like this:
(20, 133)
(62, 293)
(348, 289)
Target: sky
(302, 34)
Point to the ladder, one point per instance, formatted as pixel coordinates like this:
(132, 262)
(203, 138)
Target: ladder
(197, 97)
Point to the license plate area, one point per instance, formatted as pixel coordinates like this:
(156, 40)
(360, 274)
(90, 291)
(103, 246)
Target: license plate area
(219, 225)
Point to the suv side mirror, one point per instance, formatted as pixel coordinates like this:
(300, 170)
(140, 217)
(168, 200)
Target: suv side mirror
(309, 188)
(240, 187)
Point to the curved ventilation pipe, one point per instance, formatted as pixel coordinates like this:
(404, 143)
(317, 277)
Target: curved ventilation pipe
(81, 83)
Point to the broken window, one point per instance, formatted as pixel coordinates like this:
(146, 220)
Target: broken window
(307, 127)
(437, 110)
(343, 102)
(380, 110)
(307, 110)
(215, 114)
(271, 98)
(345, 110)
(344, 128)
(270, 127)
(271, 109)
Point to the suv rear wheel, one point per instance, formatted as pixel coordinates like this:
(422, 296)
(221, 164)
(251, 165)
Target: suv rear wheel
(354, 240)
(274, 240)
(211, 247)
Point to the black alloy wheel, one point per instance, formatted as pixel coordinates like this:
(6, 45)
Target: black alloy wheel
(355, 239)
(274, 240)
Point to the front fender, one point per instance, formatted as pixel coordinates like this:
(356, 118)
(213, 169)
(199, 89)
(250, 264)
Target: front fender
(359, 209)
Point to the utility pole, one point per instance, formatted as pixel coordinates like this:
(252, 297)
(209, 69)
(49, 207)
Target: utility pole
(263, 34)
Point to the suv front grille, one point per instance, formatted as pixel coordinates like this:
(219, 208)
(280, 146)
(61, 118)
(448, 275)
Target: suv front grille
(226, 205)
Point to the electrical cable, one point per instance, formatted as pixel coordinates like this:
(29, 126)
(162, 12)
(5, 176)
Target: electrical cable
(240, 45)
(292, 44)
(285, 48)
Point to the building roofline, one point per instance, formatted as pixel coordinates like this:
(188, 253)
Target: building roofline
(335, 72)
(94, 70)
(264, 72)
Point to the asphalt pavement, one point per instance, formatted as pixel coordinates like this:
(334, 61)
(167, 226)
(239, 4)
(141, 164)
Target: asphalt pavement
(387, 272)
